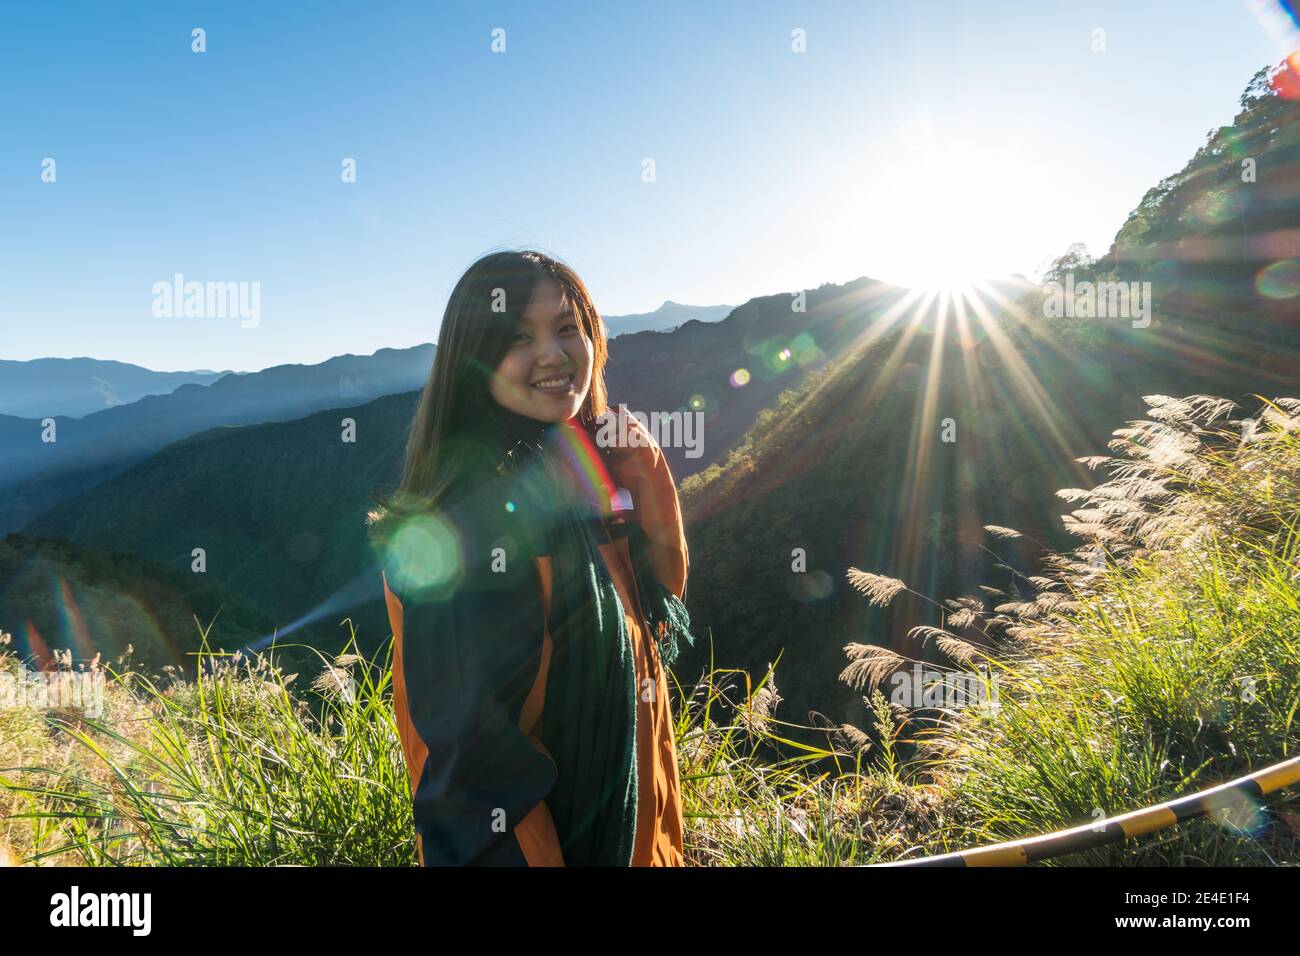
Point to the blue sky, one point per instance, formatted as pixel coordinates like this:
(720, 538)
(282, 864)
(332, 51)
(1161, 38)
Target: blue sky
(987, 134)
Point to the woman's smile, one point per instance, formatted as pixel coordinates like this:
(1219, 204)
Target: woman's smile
(555, 384)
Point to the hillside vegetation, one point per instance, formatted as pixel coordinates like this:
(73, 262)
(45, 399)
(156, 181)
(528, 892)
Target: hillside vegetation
(1160, 656)
(56, 596)
(953, 416)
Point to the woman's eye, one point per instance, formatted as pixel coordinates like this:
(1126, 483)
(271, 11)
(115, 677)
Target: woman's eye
(521, 336)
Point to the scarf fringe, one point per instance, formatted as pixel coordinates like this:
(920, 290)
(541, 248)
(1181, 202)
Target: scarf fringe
(669, 620)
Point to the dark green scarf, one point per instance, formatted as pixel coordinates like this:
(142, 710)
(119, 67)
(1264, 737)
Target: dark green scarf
(589, 716)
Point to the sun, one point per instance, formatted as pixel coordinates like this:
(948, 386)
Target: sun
(951, 236)
(938, 270)
(950, 214)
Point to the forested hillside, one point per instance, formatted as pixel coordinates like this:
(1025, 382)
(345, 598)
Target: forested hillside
(954, 416)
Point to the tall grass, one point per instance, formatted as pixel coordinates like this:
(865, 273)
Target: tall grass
(1160, 657)
(233, 768)
(230, 768)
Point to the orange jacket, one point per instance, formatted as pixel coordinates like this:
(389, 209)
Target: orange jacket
(468, 698)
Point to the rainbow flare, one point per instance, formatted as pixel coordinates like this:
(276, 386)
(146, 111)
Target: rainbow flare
(580, 453)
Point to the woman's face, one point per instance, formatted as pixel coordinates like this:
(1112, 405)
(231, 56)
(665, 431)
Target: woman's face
(548, 345)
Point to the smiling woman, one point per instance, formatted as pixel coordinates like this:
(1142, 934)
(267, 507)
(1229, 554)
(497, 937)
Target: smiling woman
(533, 621)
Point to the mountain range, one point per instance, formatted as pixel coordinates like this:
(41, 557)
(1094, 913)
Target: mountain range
(38, 474)
(665, 318)
(73, 387)
(110, 415)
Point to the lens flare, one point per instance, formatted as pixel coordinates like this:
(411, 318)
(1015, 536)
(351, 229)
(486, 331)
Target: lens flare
(1287, 81)
(1216, 206)
(34, 646)
(739, 378)
(1239, 813)
(425, 553)
(1281, 280)
(816, 585)
(805, 349)
(776, 356)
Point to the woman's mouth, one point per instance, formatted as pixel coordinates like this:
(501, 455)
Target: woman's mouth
(555, 385)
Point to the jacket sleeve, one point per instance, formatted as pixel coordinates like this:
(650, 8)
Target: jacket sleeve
(469, 654)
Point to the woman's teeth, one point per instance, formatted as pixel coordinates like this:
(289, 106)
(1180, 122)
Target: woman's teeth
(554, 382)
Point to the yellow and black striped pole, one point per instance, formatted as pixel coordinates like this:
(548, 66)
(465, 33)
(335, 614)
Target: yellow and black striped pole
(1089, 835)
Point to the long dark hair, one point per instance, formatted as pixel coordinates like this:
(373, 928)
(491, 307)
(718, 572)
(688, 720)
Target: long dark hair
(482, 316)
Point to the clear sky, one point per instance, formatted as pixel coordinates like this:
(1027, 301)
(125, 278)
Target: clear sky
(987, 134)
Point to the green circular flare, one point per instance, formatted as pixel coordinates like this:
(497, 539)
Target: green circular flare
(1281, 280)
(805, 349)
(424, 554)
(1216, 206)
(776, 356)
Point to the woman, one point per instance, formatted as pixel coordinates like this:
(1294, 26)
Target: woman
(534, 581)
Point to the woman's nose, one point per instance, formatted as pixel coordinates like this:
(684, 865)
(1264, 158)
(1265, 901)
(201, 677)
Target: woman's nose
(552, 352)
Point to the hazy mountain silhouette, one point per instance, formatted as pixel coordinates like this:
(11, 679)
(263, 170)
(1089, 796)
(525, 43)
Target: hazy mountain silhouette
(73, 387)
(668, 316)
(36, 474)
(278, 506)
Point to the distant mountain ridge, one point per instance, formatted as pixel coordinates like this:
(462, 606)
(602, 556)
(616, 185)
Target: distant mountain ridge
(35, 474)
(100, 433)
(73, 387)
(668, 316)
